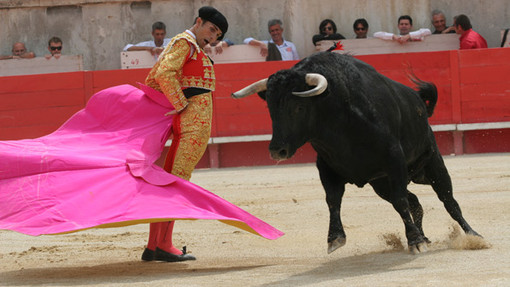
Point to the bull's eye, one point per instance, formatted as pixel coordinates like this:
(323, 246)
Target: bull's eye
(299, 109)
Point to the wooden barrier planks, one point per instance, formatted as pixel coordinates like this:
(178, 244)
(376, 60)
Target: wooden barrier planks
(35, 105)
(485, 85)
(248, 116)
(41, 65)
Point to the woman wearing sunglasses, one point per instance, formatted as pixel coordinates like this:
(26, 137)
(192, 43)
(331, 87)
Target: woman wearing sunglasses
(360, 28)
(327, 31)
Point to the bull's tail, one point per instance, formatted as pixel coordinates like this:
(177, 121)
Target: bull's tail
(427, 92)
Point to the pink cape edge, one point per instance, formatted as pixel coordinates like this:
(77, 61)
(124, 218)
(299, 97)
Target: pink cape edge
(97, 170)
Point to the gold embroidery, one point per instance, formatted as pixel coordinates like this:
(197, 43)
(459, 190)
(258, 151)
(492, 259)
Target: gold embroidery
(195, 132)
(167, 74)
(195, 121)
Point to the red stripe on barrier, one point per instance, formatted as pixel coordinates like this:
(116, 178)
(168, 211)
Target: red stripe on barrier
(473, 87)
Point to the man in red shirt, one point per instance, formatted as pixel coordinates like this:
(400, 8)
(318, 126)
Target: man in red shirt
(469, 39)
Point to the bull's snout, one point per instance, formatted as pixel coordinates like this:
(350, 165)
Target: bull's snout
(279, 154)
(279, 151)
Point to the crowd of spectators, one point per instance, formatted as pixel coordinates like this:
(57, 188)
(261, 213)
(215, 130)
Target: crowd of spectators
(19, 50)
(278, 48)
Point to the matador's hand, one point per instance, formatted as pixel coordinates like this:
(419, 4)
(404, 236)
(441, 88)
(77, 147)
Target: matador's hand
(174, 112)
(170, 113)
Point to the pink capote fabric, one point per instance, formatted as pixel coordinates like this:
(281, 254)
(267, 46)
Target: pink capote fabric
(97, 170)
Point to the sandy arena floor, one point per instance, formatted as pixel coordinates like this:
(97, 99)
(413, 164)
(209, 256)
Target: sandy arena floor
(291, 199)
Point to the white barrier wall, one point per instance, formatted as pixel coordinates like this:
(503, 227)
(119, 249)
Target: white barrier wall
(237, 54)
(232, 54)
(377, 46)
(137, 60)
(41, 65)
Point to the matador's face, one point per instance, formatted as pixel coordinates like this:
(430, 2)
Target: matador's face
(206, 32)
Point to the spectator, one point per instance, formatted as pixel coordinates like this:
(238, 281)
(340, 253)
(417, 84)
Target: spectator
(505, 38)
(54, 47)
(327, 31)
(360, 28)
(469, 39)
(405, 24)
(439, 23)
(156, 46)
(218, 46)
(19, 52)
(287, 49)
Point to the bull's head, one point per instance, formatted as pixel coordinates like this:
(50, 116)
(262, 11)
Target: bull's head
(289, 95)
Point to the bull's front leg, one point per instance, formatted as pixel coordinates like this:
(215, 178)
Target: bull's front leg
(335, 188)
(336, 234)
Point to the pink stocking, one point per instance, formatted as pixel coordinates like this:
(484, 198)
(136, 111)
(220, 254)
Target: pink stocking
(165, 238)
(153, 235)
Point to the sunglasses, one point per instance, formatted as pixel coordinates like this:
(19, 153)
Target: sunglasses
(56, 48)
(328, 29)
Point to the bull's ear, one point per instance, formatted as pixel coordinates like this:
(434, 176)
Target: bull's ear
(262, 95)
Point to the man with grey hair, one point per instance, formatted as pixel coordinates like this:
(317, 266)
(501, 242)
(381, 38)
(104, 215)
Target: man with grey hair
(439, 23)
(156, 46)
(287, 49)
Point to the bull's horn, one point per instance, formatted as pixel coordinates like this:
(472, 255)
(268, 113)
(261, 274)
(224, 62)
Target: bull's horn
(251, 89)
(313, 79)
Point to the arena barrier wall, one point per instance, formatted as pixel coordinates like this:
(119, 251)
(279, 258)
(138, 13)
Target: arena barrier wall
(472, 114)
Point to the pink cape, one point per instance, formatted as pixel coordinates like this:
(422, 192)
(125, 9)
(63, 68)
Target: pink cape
(97, 170)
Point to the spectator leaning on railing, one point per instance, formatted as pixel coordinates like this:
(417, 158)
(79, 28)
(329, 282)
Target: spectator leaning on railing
(327, 31)
(54, 47)
(19, 51)
(405, 24)
(287, 50)
(157, 45)
(439, 22)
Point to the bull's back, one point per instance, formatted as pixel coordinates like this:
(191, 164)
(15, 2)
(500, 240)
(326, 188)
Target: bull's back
(401, 108)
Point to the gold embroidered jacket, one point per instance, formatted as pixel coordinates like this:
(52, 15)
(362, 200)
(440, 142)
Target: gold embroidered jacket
(180, 67)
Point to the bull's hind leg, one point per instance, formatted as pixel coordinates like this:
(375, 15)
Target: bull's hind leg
(335, 188)
(437, 174)
(400, 201)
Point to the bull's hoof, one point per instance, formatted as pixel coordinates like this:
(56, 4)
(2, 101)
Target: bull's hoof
(418, 248)
(474, 233)
(335, 244)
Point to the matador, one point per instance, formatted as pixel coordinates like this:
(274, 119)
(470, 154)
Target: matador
(185, 75)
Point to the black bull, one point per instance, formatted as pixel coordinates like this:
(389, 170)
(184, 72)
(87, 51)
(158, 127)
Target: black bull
(365, 128)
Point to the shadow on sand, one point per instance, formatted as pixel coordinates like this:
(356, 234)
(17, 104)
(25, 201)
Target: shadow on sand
(350, 267)
(118, 273)
(130, 272)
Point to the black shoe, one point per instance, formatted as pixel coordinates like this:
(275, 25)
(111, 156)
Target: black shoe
(162, 255)
(148, 255)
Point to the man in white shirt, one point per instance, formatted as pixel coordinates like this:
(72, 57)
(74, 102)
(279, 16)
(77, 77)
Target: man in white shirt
(156, 46)
(405, 24)
(287, 49)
